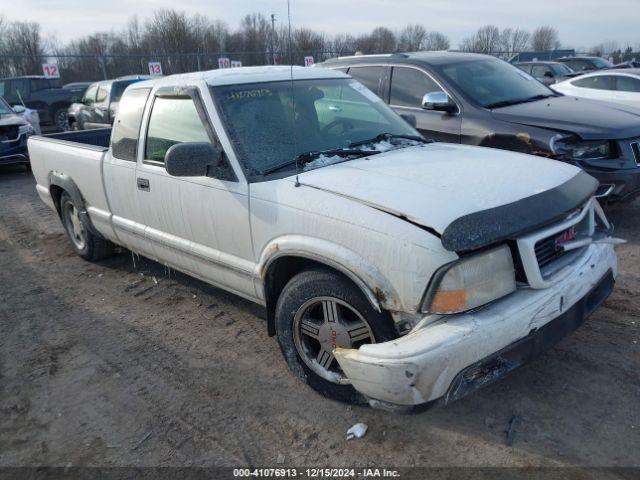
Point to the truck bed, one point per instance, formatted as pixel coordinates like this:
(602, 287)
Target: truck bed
(99, 137)
(77, 156)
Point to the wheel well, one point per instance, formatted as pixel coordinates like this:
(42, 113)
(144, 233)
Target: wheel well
(278, 275)
(56, 193)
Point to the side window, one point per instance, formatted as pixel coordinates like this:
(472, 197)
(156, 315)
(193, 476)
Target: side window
(90, 95)
(578, 65)
(598, 82)
(37, 84)
(368, 76)
(173, 120)
(540, 70)
(627, 84)
(126, 130)
(103, 93)
(409, 85)
(3, 89)
(526, 67)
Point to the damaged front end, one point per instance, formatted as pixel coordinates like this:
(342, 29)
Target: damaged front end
(451, 355)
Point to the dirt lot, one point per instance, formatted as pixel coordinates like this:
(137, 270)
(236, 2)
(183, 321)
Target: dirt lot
(123, 364)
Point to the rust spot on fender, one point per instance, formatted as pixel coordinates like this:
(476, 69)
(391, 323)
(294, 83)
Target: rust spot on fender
(271, 250)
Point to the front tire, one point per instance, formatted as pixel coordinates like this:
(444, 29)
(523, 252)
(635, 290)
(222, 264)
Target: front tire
(84, 242)
(320, 310)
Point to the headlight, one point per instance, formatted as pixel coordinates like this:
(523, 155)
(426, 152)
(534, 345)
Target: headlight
(571, 148)
(471, 282)
(28, 129)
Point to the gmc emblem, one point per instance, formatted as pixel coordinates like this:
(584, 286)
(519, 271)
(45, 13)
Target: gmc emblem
(566, 236)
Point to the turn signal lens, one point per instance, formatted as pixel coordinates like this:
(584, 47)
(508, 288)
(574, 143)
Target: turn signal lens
(472, 282)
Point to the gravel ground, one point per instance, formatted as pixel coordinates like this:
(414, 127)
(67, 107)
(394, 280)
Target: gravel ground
(123, 364)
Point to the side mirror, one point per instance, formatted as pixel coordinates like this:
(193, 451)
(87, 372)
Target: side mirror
(548, 74)
(438, 101)
(193, 159)
(19, 109)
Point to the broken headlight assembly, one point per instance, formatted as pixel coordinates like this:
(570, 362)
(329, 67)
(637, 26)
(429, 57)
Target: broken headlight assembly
(471, 282)
(572, 148)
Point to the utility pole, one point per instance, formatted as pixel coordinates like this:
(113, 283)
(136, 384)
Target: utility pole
(273, 34)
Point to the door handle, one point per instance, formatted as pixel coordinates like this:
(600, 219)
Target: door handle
(143, 184)
(335, 108)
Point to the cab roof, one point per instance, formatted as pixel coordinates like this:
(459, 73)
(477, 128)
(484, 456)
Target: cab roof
(233, 76)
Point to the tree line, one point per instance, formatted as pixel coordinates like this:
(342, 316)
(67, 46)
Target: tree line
(194, 42)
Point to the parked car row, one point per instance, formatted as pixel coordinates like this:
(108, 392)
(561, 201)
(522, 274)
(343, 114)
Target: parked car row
(15, 129)
(99, 104)
(393, 269)
(46, 95)
(481, 100)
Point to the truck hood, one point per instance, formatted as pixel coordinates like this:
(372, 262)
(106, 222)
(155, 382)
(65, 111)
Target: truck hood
(437, 185)
(589, 119)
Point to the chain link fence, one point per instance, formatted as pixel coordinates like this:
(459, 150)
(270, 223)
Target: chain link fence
(87, 68)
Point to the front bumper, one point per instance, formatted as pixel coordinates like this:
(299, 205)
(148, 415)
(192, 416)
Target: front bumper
(14, 151)
(447, 358)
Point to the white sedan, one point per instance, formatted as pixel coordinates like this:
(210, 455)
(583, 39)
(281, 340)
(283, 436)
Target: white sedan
(619, 86)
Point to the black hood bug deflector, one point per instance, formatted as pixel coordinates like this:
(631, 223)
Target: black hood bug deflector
(509, 221)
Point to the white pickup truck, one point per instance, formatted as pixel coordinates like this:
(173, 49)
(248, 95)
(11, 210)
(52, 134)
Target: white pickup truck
(394, 270)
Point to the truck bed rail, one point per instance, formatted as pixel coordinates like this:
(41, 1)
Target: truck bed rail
(98, 138)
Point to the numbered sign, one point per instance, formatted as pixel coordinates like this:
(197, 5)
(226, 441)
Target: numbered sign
(236, 64)
(155, 68)
(50, 70)
(224, 62)
(308, 61)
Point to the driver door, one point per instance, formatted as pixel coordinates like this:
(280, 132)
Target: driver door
(199, 225)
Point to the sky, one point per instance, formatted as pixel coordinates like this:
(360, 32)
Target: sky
(581, 23)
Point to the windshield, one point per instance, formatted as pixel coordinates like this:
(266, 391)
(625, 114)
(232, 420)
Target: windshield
(601, 62)
(4, 107)
(491, 83)
(271, 124)
(560, 69)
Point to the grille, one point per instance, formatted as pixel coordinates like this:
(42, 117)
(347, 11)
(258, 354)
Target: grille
(635, 147)
(547, 251)
(8, 133)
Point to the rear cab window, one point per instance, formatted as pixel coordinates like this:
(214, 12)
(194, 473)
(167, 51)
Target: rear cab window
(409, 86)
(126, 130)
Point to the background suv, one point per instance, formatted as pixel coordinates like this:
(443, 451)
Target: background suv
(481, 100)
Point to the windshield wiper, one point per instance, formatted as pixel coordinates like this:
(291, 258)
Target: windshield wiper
(389, 136)
(307, 157)
(506, 103)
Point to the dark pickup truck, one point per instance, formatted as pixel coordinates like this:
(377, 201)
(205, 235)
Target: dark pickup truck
(47, 95)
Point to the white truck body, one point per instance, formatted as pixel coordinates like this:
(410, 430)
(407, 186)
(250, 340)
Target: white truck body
(380, 220)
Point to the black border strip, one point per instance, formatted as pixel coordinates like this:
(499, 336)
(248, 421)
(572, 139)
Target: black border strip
(512, 220)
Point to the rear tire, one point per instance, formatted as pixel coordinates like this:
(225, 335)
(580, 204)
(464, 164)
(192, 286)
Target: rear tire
(89, 246)
(60, 119)
(318, 310)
